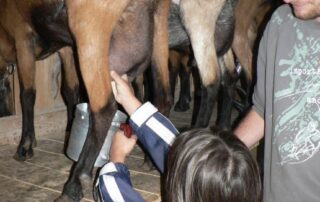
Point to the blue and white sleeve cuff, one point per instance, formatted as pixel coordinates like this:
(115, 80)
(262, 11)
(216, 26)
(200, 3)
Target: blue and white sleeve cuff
(143, 113)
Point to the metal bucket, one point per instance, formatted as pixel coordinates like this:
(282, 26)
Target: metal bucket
(79, 131)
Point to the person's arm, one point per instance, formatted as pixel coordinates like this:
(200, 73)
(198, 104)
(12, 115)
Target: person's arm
(114, 184)
(121, 147)
(123, 93)
(251, 129)
(155, 132)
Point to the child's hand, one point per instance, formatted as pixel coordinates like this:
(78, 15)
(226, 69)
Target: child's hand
(123, 93)
(121, 87)
(121, 146)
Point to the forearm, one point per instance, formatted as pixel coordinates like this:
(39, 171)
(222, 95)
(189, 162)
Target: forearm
(251, 129)
(131, 105)
(155, 132)
(114, 184)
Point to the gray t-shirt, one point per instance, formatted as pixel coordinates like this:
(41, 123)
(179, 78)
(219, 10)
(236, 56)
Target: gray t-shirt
(287, 95)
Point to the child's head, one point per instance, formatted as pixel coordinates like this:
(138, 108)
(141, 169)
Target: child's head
(212, 166)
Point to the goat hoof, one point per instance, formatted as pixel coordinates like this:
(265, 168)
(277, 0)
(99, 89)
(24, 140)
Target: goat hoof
(72, 192)
(34, 143)
(23, 155)
(95, 193)
(181, 106)
(64, 198)
(19, 158)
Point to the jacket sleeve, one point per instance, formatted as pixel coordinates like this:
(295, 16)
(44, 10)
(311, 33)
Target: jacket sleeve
(155, 132)
(114, 184)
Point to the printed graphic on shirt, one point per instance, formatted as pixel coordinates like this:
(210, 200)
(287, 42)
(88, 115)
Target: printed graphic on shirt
(297, 94)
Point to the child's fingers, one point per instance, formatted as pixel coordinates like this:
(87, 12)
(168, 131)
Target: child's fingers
(116, 77)
(134, 137)
(133, 140)
(120, 133)
(122, 80)
(114, 88)
(125, 77)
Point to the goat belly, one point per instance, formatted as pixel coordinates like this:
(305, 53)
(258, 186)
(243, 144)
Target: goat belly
(50, 21)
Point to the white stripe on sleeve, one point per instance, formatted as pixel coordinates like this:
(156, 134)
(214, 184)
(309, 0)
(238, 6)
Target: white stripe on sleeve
(107, 168)
(162, 131)
(143, 113)
(112, 188)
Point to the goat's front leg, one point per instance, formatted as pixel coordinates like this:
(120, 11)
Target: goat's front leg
(92, 23)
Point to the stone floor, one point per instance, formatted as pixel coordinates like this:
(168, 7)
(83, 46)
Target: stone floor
(42, 177)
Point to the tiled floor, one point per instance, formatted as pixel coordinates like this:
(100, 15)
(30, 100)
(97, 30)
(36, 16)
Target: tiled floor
(42, 177)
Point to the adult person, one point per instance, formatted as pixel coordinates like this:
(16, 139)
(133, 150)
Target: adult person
(286, 103)
(203, 165)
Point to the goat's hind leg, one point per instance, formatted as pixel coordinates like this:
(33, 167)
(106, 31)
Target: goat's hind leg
(183, 103)
(226, 93)
(160, 57)
(69, 85)
(92, 23)
(174, 65)
(177, 66)
(26, 72)
(202, 41)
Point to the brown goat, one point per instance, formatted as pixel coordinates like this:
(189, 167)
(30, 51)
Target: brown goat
(108, 35)
(207, 25)
(251, 16)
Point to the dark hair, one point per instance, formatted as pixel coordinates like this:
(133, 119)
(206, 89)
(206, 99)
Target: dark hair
(211, 166)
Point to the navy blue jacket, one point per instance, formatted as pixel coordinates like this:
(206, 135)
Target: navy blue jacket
(156, 133)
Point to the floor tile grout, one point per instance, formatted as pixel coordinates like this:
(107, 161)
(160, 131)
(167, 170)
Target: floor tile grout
(147, 192)
(53, 140)
(49, 152)
(39, 166)
(135, 156)
(138, 172)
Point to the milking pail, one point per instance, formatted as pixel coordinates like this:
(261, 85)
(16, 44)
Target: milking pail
(79, 131)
